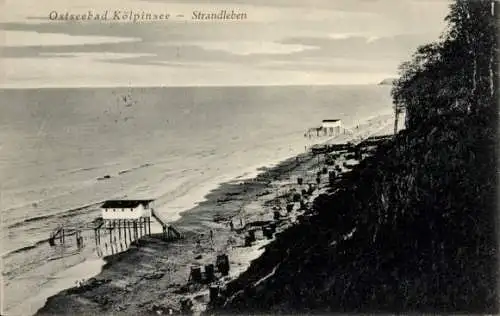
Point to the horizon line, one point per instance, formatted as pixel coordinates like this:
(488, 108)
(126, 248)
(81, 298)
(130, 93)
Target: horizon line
(185, 86)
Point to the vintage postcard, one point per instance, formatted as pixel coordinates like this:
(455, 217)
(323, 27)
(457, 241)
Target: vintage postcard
(237, 157)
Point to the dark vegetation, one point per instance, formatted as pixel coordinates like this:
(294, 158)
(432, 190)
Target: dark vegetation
(414, 227)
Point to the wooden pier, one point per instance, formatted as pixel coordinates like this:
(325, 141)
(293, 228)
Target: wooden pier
(327, 128)
(122, 221)
(62, 233)
(169, 232)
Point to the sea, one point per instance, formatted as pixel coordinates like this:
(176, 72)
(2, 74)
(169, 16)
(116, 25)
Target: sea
(63, 151)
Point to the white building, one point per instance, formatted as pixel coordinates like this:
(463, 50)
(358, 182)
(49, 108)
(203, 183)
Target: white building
(126, 209)
(331, 127)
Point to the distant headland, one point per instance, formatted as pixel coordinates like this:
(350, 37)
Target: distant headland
(387, 81)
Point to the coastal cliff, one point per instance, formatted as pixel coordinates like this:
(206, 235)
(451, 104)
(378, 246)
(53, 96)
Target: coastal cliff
(414, 227)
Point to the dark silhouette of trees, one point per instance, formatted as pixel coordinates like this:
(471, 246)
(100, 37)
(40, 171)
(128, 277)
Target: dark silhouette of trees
(457, 74)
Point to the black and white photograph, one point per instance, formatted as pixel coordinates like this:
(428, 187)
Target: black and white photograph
(249, 157)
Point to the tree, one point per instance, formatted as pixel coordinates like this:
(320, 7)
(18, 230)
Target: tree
(458, 73)
(472, 37)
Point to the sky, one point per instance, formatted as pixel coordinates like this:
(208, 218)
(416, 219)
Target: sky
(281, 42)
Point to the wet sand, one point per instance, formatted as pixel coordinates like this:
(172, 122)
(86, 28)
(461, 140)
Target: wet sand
(152, 277)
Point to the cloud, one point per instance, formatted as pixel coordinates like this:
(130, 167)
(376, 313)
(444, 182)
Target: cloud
(31, 38)
(356, 46)
(296, 41)
(333, 65)
(95, 56)
(372, 39)
(245, 48)
(341, 36)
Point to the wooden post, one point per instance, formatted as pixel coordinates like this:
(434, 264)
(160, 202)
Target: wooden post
(125, 230)
(78, 239)
(111, 235)
(129, 232)
(140, 227)
(135, 229)
(120, 229)
(149, 225)
(129, 224)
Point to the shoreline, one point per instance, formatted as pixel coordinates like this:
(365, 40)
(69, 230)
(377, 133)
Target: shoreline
(192, 223)
(60, 281)
(223, 203)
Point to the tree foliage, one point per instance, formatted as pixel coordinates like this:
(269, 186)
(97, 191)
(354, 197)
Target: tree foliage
(458, 73)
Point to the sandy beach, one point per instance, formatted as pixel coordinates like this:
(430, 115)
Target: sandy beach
(152, 276)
